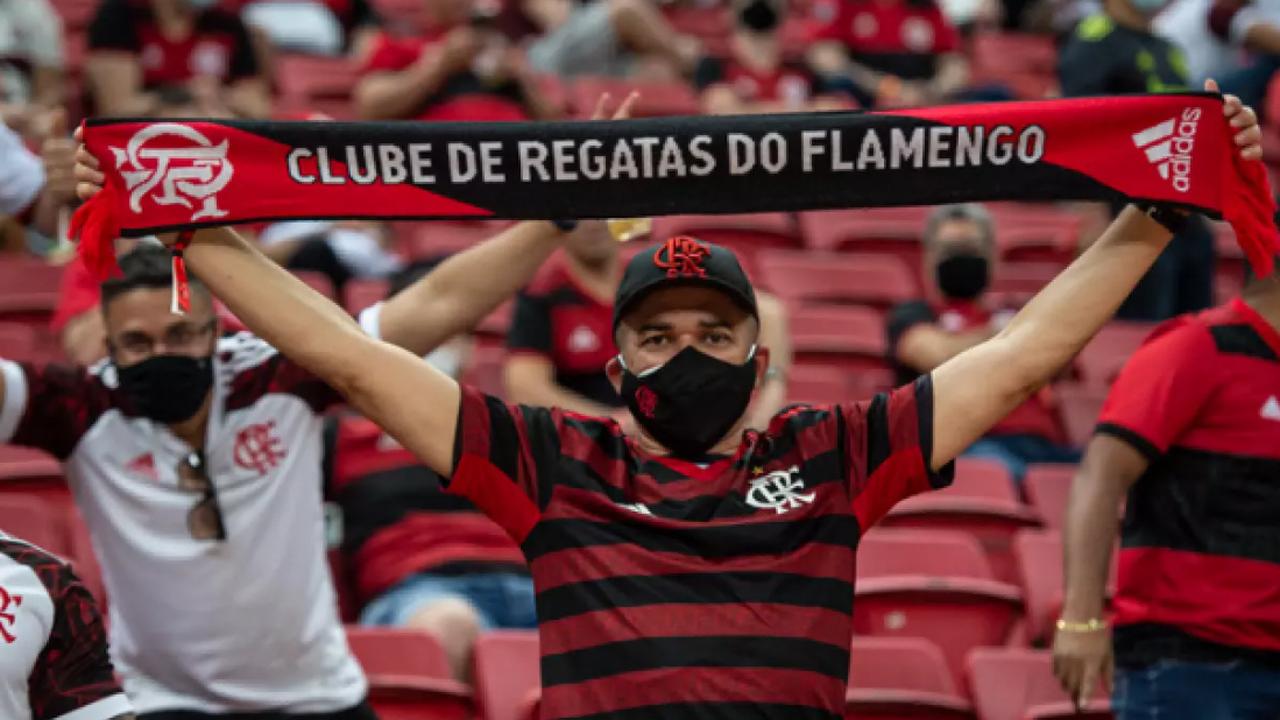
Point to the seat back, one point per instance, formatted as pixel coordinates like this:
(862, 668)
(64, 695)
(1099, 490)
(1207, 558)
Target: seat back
(30, 518)
(506, 672)
(980, 478)
(899, 663)
(851, 336)
(1006, 682)
(1038, 554)
(1048, 487)
(398, 652)
(1102, 359)
(852, 278)
(940, 553)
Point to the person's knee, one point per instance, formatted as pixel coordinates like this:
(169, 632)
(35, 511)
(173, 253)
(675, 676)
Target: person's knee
(455, 624)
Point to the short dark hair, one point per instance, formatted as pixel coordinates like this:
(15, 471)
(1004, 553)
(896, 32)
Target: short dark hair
(146, 267)
(960, 212)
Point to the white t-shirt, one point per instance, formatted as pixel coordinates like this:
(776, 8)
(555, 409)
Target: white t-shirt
(53, 650)
(21, 173)
(246, 624)
(1185, 23)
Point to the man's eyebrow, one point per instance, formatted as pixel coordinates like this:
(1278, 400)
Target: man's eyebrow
(714, 324)
(654, 325)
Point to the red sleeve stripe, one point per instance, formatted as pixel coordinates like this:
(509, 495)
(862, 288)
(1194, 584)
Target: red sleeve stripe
(663, 688)
(478, 480)
(897, 478)
(692, 620)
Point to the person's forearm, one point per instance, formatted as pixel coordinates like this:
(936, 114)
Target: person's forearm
(393, 95)
(277, 306)
(44, 216)
(450, 300)
(249, 98)
(1088, 538)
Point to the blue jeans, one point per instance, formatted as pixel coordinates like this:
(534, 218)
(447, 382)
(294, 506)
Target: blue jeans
(501, 599)
(1016, 452)
(1177, 690)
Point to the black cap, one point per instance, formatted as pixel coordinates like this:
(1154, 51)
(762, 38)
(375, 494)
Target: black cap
(683, 260)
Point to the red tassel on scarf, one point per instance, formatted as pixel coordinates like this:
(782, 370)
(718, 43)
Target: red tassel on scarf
(1250, 207)
(97, 226)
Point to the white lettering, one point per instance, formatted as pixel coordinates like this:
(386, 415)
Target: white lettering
(420, 164)
(462, 163)
(593, 163)
(969, 146)
(392, 159)
(295, 171)
(562, 154)
(671, 163)
(698, 149)
(326, 173)
(491, 161)
(773, 153)
(903, 151)
(939, 142)
(999, 152)
(1031, 144)
(369, 174)
(742, 154)
(871, 153)
(533, 157)
(810, 148)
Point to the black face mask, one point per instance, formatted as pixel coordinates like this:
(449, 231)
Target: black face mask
(691, 401)
(167, 388)
(963, 276)
(759, 15)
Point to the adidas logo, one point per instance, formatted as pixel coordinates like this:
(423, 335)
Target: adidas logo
(143, 466)
(1271, 409)
(1168, 146)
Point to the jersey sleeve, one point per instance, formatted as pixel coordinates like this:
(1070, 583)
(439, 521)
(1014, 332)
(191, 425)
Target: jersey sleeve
(244, 61)
(49, 408)
(1161, 389)
(828, 21)
(902, 317)
(73, 678)
(887, 449)
(503, 459)
(1083, 65)
(113, 28)
(260, 370)
(948, 38)
(387, 56)
(530, 326)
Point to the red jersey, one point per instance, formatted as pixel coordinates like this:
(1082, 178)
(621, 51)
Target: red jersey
(397, 518)
(790, 84)
(1199, 569)
(217, 46)
(667, 588)
(462, 97)
(901, 37)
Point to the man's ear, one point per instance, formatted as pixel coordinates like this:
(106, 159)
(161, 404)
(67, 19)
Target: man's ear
(613, 370)
(762, 364)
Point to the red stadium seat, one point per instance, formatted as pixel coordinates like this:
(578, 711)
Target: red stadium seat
(982, 502)
(851, 336)
(307, 83)
(1018, 684)
(362, 293)
(434, 240)
(1047, 487)
(1025, 63)
(656, 99)
(1039, 555)
(409, 676)
(853, 278)
(506, 674)
(1102, 359)
(316, 281)
(886, 231)
(1037, 242)
(891, 678)
(28, 290)
(747, 235)
(484, 370)
(818, 384)
(29, 517)
(84, 559)
(19, 342)
(1078, 408)
(1017, 282)
(33, 473)
(932, 584)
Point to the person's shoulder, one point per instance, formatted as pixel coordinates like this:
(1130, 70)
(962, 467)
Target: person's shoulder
(243, 351)
(53, 572)
(1232, 331)
(1094, 28)
(797, 417)
(218, 19)
(552, 277)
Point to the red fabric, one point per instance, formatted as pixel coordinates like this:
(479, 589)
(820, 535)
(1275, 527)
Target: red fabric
(875, 26)
(78, 293)
(168, 61)
(779, 84)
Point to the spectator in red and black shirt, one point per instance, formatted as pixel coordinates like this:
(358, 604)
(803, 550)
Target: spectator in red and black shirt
(55, 664)
(696, 568)
(459, 68)
(959, 259)
(138, 46)
(1191, 434)
(756, 77)
(894, 52)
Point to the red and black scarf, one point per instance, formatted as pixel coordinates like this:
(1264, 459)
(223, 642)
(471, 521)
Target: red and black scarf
(1174, 149)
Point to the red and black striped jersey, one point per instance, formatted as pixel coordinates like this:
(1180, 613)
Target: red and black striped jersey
(679, 590)
(1199, 565)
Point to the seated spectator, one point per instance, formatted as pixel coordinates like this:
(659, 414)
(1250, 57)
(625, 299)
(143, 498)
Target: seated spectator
(756, 77)
(561, 334)
(1237, 43)
(32, 62)
(315, 27)
(1116, 52)
(606, 37)
(959, 256)
(137, 46)
(421, 557)
(891, 53)
(33, 188)
(461, 67)
(340, 250)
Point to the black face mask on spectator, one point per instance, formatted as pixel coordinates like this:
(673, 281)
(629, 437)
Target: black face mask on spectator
(759, 15)
(689, 402)
(167, 388)
(963, 276)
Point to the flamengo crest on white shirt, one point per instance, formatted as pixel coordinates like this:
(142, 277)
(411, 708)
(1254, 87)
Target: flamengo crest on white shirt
(779, 490)
(186, 175)
(1271, 409)
(1168, 146)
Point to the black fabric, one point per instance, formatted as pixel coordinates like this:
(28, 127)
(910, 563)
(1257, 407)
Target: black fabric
(116, 25)
(1208, 503)
(1139, 443)
(901, 318)
(359, 712)
(382, 499)
(1143, 644)
(1242, 339)
(1104, 58)
(684, 261)
(532, 330)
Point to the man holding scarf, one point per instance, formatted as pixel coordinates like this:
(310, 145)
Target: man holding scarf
(695, 569)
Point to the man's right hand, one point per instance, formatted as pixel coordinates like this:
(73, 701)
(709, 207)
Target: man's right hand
(1081, 660)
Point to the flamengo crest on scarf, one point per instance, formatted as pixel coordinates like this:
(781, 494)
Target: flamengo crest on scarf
(1174, 148)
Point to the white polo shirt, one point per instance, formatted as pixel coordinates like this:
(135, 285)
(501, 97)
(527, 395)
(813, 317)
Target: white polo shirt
(53, 651)
(247, 624)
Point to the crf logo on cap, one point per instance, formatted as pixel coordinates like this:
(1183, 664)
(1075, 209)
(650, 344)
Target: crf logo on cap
(1168, 146)
(780, 491)
(185, 175)
(682, 256)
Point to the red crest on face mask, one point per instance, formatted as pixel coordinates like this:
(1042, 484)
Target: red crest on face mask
(646, 401)
(682, 256)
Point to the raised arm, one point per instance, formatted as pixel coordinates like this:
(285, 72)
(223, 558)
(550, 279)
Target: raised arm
(978, 387)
